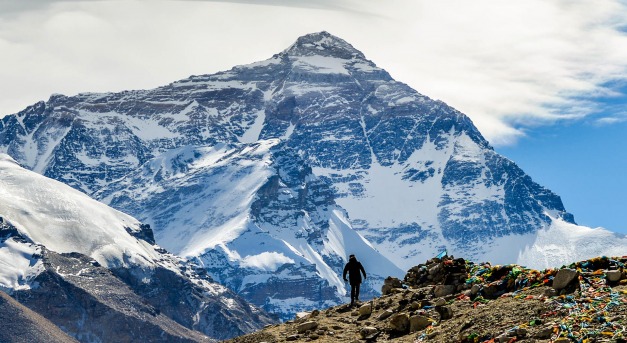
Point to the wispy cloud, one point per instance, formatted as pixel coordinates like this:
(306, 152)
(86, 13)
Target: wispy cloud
(610, 120)
(508, 65)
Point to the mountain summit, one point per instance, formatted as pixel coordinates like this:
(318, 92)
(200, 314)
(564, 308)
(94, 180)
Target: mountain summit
(271, 174)
(323, 44)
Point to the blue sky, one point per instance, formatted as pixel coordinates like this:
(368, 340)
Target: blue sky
(543, 80)
(583, 162)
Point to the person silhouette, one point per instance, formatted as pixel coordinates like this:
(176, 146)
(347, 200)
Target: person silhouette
(354, 270)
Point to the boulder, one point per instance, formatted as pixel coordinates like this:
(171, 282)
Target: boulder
(399, 322)
(365, 310)
(440, 302)
(306, 326)
(614, 275)
(385, 314)
(389, 284)
(368, 332)
(445, 312)
(444, 290)
(564, 277)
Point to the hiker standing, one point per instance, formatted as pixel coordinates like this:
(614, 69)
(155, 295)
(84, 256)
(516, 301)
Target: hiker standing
(354, 270)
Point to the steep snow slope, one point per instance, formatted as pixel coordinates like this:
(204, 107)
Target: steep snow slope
(65, 220)
(256, 218)
(47, 229)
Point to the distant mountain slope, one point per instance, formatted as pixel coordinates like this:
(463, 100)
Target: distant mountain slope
(21, 325)
(410, 174)
(101, 267)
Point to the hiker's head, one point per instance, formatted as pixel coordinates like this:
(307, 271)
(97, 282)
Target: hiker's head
(351, 257)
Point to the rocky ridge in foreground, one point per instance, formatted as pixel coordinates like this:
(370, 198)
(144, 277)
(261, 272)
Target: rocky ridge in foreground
(453, 300)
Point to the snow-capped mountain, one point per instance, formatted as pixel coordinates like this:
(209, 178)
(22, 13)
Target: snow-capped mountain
(93, 270)
(195, 159)
(256, 218)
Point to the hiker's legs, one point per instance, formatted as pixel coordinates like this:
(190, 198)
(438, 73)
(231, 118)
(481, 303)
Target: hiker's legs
(353, 290)
(357, 292)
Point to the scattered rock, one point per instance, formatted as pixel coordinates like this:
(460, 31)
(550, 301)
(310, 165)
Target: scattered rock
(440, 302)
(416, 305)
(564, 277)
(614, 275)
(490, 291)
(292, 337)
(444, 290)
(389, 284)
(445, 312)
(524, 307)
(399, 322)
(368, 332)
(365, 310)
(385, 315)
(417, 323)
(550, 292)
(306, 326)
(302, 315)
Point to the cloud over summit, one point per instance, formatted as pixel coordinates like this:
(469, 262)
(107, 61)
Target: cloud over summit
(507, 65)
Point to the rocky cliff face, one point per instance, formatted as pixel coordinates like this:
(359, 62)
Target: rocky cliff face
(410, 174)
(105, 280)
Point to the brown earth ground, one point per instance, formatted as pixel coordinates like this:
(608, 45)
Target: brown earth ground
(590, 309)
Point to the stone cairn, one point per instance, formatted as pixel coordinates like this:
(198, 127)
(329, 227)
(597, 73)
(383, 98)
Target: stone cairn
(448, 275)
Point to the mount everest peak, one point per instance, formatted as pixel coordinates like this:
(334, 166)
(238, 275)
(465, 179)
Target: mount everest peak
(323, 44)
(309, 151)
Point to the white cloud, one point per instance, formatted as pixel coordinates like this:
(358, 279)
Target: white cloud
(610, 120)
(507, 65)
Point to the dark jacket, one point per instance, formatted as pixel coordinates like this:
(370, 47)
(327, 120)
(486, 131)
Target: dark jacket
(353, 268)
